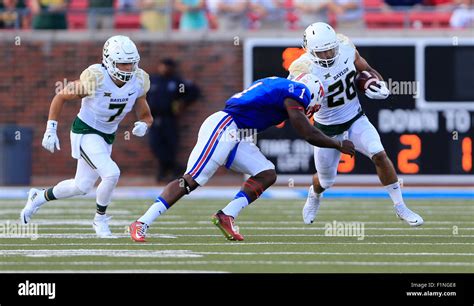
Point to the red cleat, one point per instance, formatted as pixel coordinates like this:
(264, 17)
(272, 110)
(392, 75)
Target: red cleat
(138, 231)
(226, 224)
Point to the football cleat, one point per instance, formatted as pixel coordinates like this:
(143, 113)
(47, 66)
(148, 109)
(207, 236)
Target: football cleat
(226, 224)
(31, 206)
(311, 207)
(404, 213)
(138, 231)
(101, 226)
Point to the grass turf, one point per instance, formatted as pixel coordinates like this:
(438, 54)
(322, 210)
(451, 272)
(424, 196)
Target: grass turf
(276, 240)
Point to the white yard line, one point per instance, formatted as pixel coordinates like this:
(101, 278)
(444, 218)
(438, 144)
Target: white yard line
(160, 228)
(336, 253)
(231, 244)
(112, 271)
(92, 236)
(271, 262)
(101, 252)
(117, 222)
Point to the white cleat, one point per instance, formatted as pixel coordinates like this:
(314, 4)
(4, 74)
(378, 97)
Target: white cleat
(311, 207)
(101, 226)
(404, 213)
(31, 206)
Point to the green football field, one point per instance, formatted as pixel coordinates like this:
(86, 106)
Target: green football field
(185, 241)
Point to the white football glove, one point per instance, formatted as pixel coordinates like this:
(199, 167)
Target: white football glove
(50, 139)
(374, 92)
(140, 129)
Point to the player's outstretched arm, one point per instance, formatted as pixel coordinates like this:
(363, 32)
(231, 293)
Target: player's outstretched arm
(145, 119)
(72, 91)
(311, 134)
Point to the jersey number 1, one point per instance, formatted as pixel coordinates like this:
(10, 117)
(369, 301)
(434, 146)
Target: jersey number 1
(120, 108)
(338, 88)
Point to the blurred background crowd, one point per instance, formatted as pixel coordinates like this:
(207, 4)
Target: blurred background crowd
(233, 15)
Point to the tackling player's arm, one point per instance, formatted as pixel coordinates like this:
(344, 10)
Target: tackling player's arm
(311, 134)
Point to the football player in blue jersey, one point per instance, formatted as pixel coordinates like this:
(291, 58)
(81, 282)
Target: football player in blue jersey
(267, 102)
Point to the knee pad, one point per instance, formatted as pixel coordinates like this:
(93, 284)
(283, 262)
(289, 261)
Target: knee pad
(84, 185)
(326, 179)
(326, 184)
(109, 172)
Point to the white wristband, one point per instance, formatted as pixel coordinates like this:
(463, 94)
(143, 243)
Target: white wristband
(52, 125)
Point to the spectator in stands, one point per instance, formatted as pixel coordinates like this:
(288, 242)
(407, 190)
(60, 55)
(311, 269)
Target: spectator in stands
(439, 3)
(155, 15)
(348, 13)
(193, 14)
(169, 95)
(12, 15)
(463, 14)
(49, 14)
(101, 14)
(309, 11)
(231, 14)
(266, 14)
(403, 3)
(127, 5)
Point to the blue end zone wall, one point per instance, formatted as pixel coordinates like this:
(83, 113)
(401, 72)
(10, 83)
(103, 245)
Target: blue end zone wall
(295, 193)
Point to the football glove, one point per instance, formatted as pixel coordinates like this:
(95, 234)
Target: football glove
(50, 139)
(378, 92)
(140, 129)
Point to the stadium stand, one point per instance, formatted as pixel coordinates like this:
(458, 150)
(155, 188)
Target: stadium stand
(377, 15)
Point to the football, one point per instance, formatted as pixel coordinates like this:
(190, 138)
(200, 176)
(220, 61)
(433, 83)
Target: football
(364, 79)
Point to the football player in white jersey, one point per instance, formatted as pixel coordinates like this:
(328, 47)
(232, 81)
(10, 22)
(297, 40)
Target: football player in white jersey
(108, 91)
(336, 61)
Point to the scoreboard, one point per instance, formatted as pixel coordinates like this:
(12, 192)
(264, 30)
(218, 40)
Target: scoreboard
(425, 125)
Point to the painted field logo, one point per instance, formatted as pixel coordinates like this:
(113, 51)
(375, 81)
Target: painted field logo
(16, 230)
(345, 229)
(37, 289)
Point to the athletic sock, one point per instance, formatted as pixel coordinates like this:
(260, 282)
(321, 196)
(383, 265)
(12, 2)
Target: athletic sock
(101, 209)
(395, 193)
(156, 209)
(235, 206)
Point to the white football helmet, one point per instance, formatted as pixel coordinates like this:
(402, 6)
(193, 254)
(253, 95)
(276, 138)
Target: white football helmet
(120, 49)
(316, 89)
(320, 37)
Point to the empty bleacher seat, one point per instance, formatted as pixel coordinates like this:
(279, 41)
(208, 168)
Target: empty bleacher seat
(430, 19)
(385, 19)
(77, 14)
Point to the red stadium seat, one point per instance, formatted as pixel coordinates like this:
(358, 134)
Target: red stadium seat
(127, 21)
(77, 15)
(430, 19)
(372, 4)
(385, 19)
